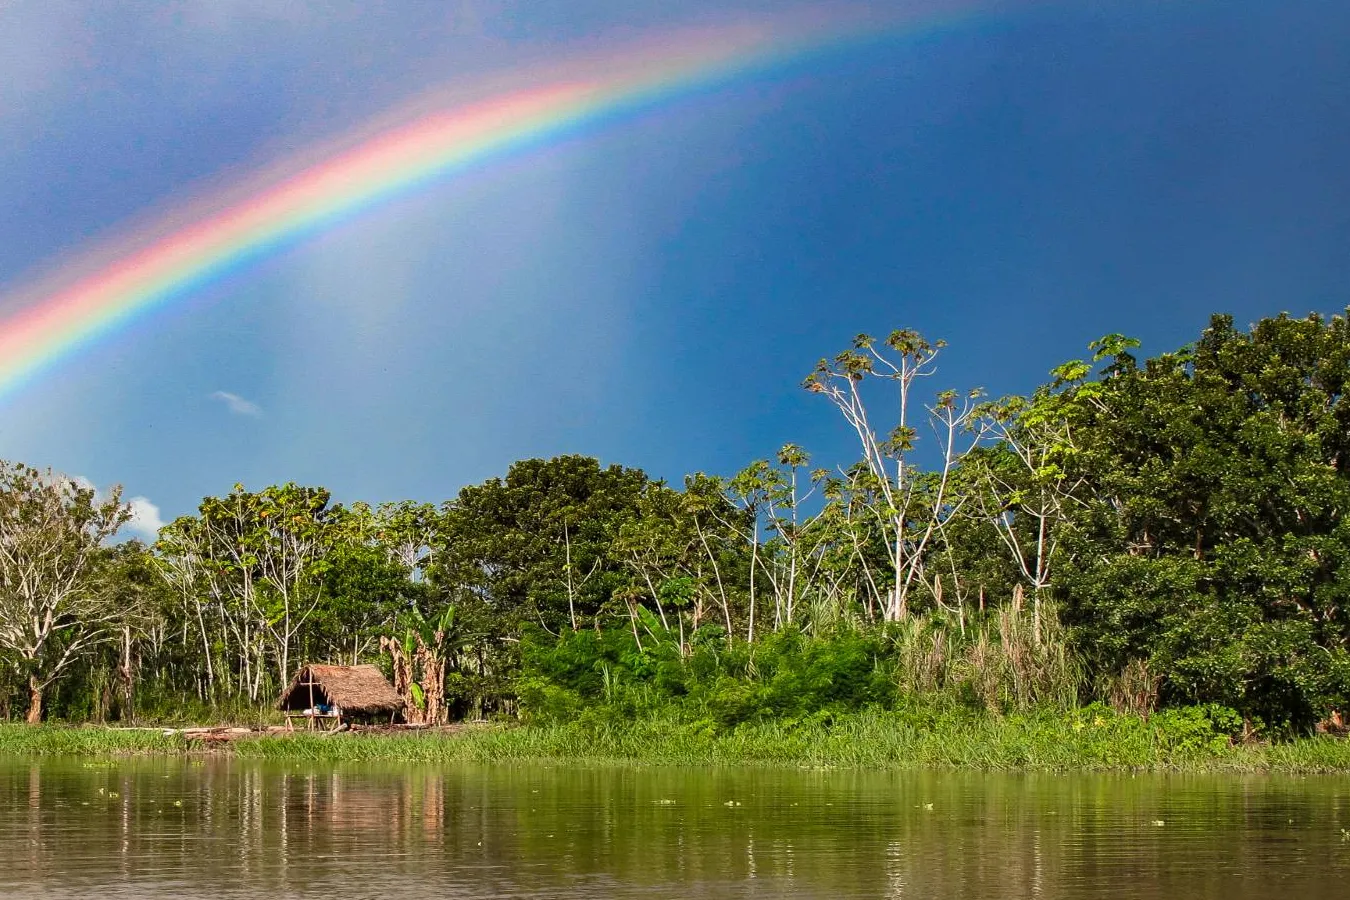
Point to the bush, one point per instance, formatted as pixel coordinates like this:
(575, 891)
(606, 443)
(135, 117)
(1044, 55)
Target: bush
(789, 676)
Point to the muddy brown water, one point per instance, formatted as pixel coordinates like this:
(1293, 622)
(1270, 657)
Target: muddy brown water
(172, 827)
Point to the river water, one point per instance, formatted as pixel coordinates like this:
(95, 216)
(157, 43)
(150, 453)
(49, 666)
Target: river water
(222, 827)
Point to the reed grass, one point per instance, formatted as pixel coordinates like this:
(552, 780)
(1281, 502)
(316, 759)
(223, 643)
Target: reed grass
(65, 740)
(1093, 739)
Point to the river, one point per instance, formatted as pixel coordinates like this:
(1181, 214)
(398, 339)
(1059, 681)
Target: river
(221, 827)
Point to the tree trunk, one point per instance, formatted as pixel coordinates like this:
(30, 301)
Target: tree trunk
(433, 686)
(34, 700)
(127, 675)
(403, 678)
(899, 606)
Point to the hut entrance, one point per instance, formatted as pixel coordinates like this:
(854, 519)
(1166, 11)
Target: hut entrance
(329, 697)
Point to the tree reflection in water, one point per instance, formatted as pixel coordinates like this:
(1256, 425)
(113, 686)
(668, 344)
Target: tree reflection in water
(229, 828)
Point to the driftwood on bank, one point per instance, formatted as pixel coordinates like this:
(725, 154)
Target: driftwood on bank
(219, 734)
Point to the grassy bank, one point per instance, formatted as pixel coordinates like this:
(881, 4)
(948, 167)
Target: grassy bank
(1091, 739)
(56, 740)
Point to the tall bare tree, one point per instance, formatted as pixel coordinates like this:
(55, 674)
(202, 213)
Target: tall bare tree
(910, 509)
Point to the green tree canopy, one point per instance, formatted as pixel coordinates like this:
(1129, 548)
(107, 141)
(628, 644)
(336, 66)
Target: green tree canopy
(1216, 545)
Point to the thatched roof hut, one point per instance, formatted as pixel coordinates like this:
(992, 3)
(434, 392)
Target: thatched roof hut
(341, 692)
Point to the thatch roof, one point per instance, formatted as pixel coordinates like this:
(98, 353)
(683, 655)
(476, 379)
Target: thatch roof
(356, 690)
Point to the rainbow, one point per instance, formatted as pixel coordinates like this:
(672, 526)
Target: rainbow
(107, 288)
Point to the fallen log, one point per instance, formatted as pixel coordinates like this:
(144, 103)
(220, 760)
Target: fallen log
(219, 733)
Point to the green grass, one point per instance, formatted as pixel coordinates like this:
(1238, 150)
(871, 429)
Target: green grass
(52, 740)
(1093, 739)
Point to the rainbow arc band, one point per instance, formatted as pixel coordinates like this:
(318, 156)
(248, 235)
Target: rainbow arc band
(108, 287)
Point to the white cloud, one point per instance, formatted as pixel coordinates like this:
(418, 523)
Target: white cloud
(238, 405)
(145, 519)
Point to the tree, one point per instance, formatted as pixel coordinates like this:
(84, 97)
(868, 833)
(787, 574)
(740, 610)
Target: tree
(536, 546)
(405, 531)
(909, 512)
(658, 548)
(134, 585)
(1027, 483)
(421, 660)
(772, 499)
(1215, 547)
(364, 589)
(53, 604)
(253, 562)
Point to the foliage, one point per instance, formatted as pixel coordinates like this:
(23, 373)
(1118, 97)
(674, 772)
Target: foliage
(1151, 535)
(1214, 541)
(54, 607)
(535, 545)
(790, 676)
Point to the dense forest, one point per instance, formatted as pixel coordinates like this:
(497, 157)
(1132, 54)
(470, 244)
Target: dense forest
(1143, 533)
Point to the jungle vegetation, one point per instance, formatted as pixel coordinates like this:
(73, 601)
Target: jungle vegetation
(1156, 536)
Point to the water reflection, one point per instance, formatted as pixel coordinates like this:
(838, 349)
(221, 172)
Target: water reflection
(169, 827)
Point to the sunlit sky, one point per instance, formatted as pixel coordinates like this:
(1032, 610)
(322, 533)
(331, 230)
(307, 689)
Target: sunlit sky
(1018, 181)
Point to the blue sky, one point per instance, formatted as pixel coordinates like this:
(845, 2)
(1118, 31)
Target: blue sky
(653, 293)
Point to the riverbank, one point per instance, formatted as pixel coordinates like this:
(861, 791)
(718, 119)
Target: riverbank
(1089, 740)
